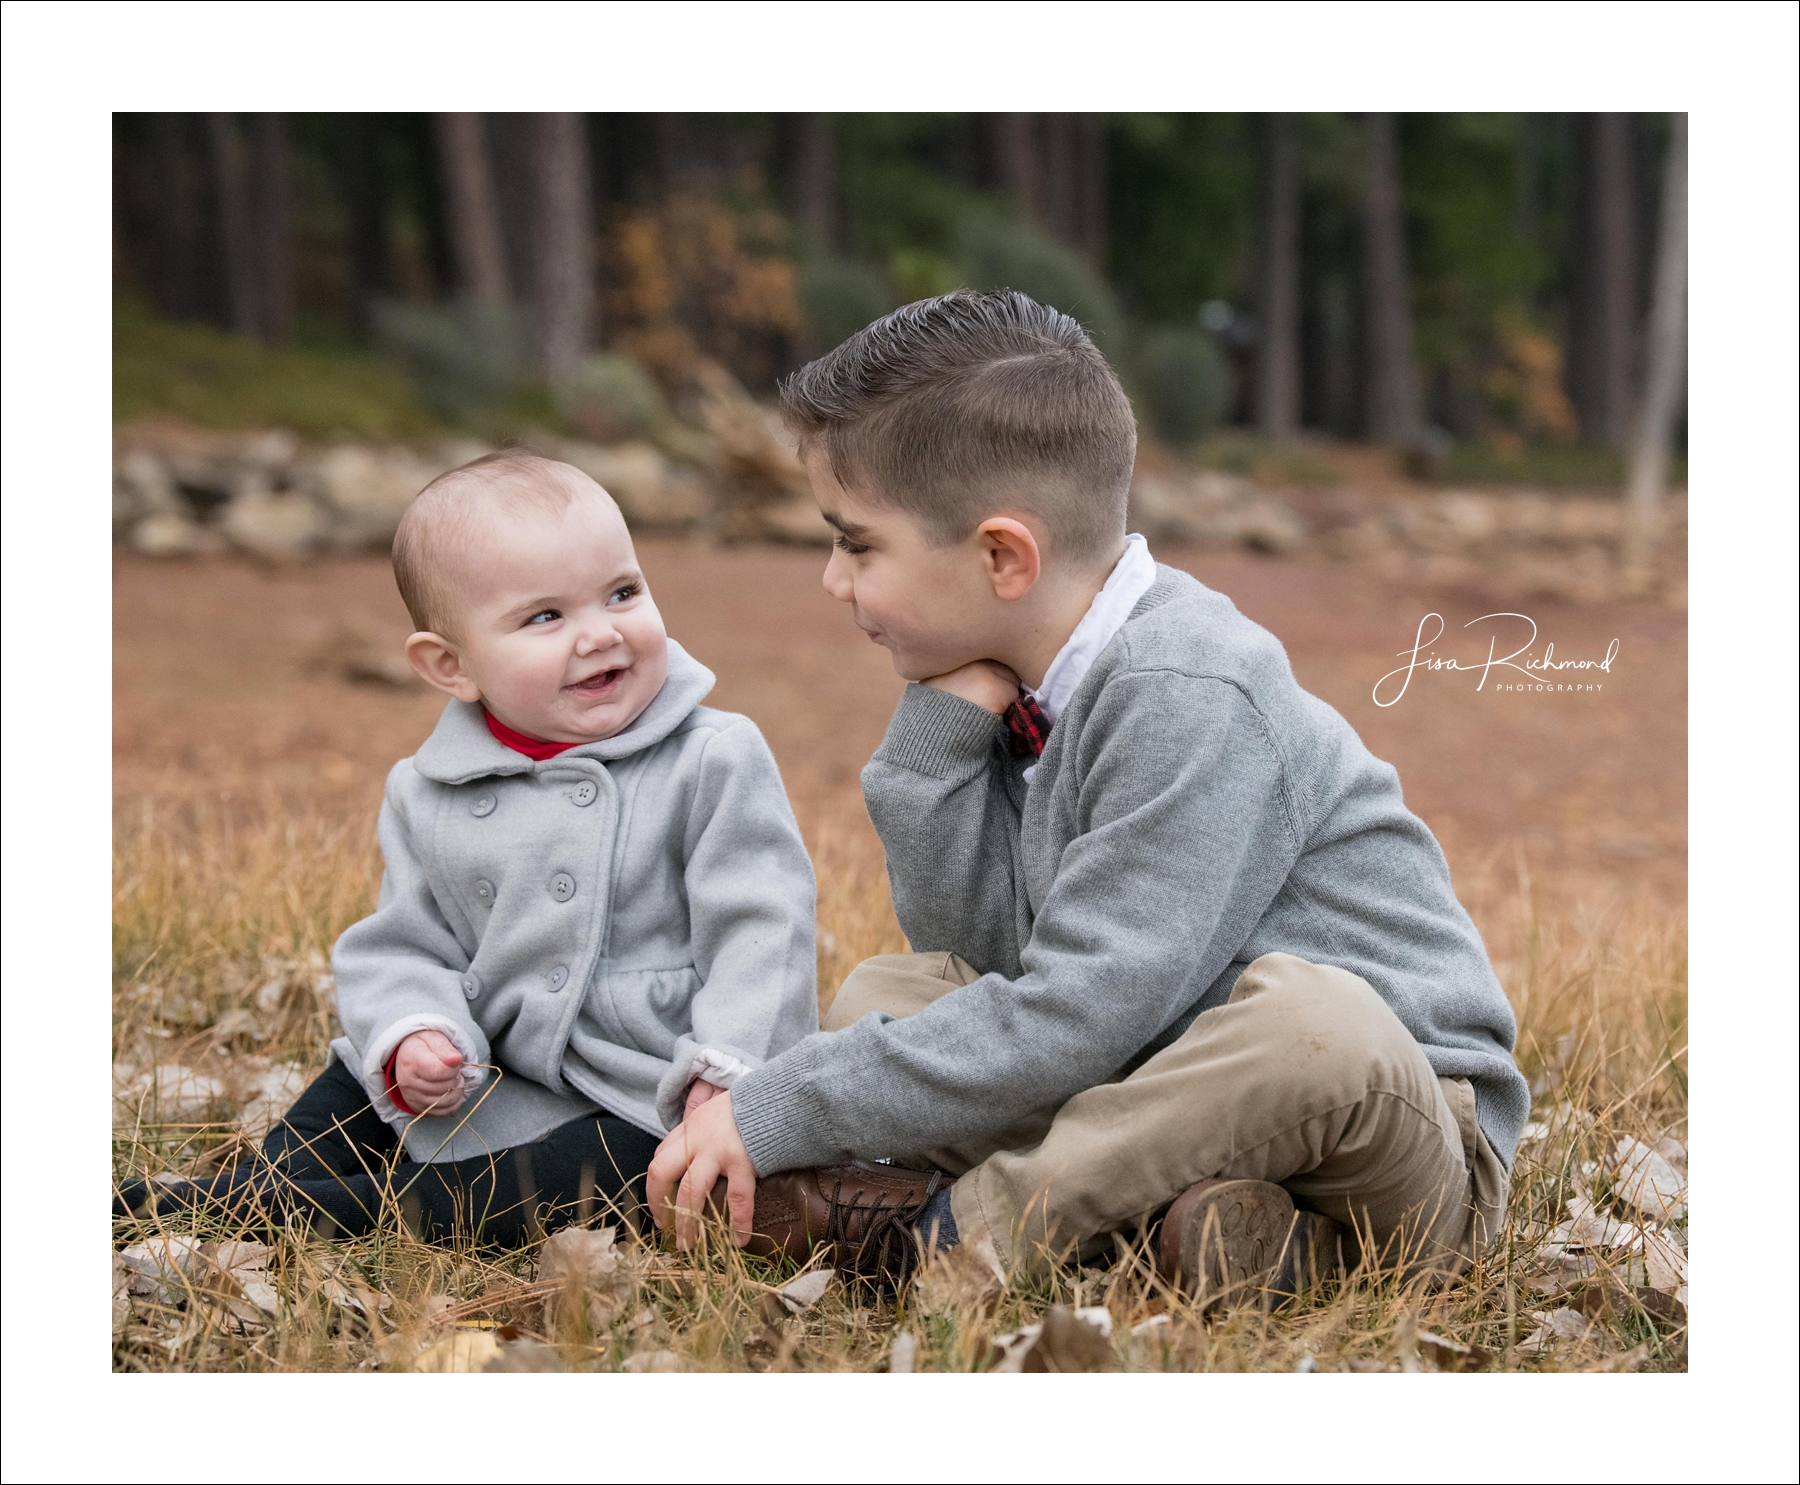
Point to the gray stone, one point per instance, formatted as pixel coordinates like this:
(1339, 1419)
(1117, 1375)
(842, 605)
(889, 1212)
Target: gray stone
(277, 528)
(168, 534)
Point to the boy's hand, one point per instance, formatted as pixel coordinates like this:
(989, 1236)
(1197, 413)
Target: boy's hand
(702, 1148)
(987, 683)
(698, 1092)
(428, 1072)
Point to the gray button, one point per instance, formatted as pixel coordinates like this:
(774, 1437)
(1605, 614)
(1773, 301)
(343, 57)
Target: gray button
(562, 886)
(558, 977)
(586, 792)
(471, 986)
(483, 805)
(484, 892)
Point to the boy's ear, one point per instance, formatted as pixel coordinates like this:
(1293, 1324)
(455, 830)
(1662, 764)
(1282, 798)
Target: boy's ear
(1011, 555)
(436, 661)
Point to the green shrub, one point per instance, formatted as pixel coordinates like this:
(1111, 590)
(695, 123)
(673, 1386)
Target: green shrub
(1186, 384)
(1001, 253)
(464, 358)
(839, 296)
(611, 397)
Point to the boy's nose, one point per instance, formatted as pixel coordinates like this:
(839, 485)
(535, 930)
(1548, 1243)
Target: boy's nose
(837, 582)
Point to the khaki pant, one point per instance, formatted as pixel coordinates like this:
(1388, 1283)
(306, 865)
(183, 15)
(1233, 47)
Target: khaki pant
(1304, 1077)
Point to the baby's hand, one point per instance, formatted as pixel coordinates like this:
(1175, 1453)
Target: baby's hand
(428, 1072)
(698, 1092)
(987, 683)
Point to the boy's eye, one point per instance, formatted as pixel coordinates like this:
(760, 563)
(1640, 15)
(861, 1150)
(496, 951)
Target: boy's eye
(545, 616)
(847, 547)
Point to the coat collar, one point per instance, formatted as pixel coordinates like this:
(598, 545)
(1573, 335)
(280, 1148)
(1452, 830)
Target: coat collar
(461, 748)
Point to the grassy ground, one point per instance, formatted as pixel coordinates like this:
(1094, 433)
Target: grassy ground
(224, 913)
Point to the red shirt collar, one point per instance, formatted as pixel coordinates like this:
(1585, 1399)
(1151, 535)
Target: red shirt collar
(533, 748)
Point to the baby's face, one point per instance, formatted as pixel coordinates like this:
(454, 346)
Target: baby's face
(558, 634)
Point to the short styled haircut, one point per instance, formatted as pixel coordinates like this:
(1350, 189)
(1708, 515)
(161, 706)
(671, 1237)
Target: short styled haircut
(440, 526)
(955, 407)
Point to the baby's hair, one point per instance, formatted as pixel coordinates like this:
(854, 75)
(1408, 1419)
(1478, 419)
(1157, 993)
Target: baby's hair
(955, 407)
(439, 526)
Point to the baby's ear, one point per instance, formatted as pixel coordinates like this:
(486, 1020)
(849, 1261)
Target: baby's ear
(436, 661)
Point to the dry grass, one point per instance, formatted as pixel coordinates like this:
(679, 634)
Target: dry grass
(224, 913)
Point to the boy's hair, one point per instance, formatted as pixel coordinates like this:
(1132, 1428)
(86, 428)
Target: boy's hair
(951, 408)
(441, 523)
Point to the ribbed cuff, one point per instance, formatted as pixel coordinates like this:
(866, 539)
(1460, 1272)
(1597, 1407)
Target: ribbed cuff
(778, 1118)
(937, 734)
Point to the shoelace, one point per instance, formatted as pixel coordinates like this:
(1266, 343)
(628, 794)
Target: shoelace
(886, 1248)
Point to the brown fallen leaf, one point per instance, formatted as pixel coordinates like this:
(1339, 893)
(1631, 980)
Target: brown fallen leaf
(1646, 1180)
(1065, 1340)
(968, 1278)
(653, 1361)
(1446, 1355)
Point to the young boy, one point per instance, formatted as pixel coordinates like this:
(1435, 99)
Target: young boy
(596, 913)
(1182, 949)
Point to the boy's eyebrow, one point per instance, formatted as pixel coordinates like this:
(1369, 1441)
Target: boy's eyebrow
(850, 528)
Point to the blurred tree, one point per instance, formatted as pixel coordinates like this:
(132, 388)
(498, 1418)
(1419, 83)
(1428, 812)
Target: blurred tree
(1663, 390)
(1019, 150)
(231, 200)
(562, 243)
(274, 228)
(815, 177)
(178, 231)
(1604, 311)
(366, 199)
(1278, 359)
(478, 249)
(1392, 393)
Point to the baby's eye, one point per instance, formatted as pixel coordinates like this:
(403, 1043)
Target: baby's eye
(545, 616)
(625, 594)
(847, 547)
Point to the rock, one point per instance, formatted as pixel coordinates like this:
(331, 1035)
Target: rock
(365, 490)
(143, 486)
(755, 449)
(1213, 508)
(278, 528)
(168, 534)
(795, 520)
(653, 492)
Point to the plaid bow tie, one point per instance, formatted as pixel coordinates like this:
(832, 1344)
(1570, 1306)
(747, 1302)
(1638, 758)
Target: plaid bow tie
(1027, 728)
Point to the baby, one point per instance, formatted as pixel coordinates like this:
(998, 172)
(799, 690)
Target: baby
(596, 911)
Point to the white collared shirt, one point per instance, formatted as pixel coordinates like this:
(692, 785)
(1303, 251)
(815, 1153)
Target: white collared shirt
(1129, 581)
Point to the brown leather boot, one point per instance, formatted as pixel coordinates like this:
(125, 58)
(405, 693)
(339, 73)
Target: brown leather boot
(865, 1211)
(1222, 1239)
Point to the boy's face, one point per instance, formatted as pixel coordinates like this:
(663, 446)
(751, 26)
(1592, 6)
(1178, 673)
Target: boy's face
(557, 632)
(932, 608)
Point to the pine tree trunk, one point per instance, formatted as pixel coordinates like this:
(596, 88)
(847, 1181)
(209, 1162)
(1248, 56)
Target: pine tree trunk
(1278, 365)
(1021, 161)
(477, 246)
(1668, 357)
(1393, 395)
(1612, 240)
(232, 205)
(815, 177)
(1090, 170)
(1061, 178)
(178, 291)
(562, 243)
(274, 224)
(365, 192)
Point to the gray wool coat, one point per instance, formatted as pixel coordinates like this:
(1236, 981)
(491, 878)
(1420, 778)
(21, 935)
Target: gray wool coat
(591, 931)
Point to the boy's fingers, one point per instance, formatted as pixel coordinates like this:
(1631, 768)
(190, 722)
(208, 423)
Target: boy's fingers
(740, 1200)
(667, 1167)
(690, 1201)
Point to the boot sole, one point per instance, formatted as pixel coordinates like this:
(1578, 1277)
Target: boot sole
(1232, 1237)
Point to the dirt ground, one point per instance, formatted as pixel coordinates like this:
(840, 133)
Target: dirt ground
(231, 676)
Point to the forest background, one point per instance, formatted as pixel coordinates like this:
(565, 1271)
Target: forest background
(1471, 289)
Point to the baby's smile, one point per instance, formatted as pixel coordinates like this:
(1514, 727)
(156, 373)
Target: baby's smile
(600, 685)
